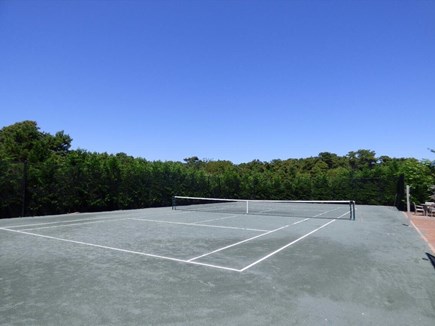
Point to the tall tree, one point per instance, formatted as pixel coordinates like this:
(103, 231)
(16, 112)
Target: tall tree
(23, 141)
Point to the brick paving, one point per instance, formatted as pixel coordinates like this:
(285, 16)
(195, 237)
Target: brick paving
(425, 226)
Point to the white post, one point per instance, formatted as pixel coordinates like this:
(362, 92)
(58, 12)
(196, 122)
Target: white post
(408, 205)
(247, 207)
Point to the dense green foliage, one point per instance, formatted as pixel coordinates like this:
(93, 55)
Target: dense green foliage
(40, 175)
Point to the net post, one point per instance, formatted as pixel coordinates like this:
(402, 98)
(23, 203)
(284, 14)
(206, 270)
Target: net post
(174, 206)
(352, 210)
(247, 207)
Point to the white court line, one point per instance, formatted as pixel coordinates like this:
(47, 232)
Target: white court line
(328, 212)
(65, 221)
(264, 211)
(291, 243)
(320, 214)
(197, 224)
(292, 216)
(305, 219)
(218, 219)
(86, 218)
(243, 241)
(74, 224)
(190, 261)
(122, 250)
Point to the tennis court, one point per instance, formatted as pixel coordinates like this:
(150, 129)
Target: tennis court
(310, 265)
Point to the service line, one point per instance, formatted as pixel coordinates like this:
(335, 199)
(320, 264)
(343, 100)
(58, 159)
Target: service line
(74, 224)
(64, 221)
(197, 224)
(218, 219)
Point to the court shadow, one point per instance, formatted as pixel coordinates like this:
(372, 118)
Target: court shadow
(431, 258)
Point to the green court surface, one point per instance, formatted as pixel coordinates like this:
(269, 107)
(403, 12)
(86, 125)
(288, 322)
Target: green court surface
(171, 267)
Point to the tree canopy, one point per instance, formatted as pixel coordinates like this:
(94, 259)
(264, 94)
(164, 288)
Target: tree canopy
(40, 174)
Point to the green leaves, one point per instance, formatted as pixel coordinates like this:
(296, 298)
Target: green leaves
(60, 180)
(23, 141)
(420, 176)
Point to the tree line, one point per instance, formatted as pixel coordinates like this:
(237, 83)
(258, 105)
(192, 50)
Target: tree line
(41, 175)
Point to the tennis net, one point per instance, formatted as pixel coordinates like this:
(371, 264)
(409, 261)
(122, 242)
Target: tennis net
(331, 209)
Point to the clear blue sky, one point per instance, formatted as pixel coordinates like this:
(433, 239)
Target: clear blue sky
(223, 80)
